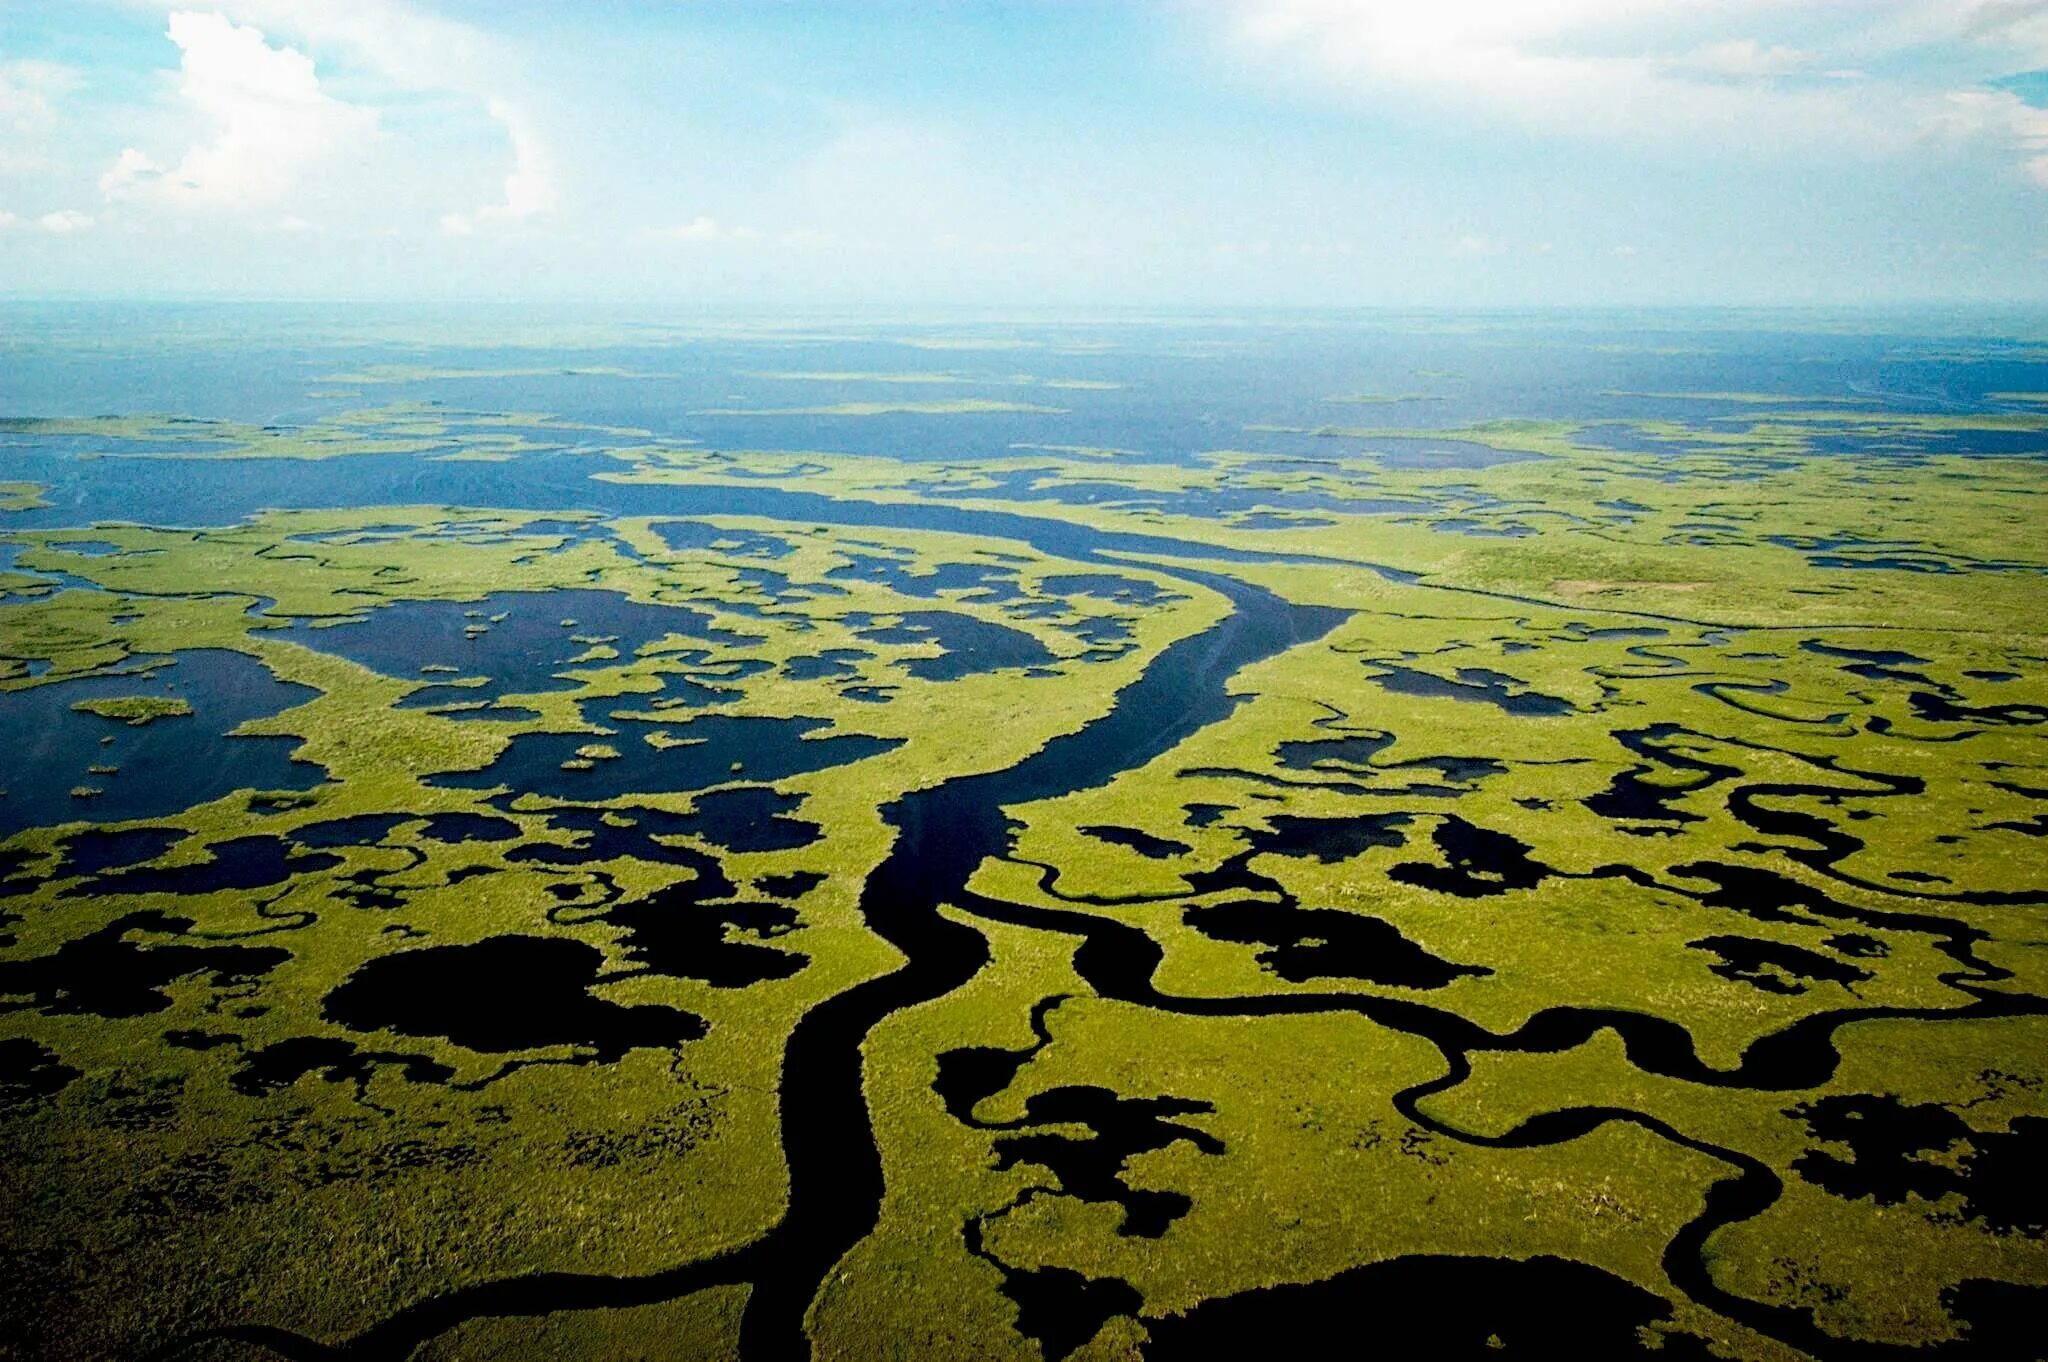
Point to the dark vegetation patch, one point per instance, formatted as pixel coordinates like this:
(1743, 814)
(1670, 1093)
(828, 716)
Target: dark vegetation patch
(668, 1135)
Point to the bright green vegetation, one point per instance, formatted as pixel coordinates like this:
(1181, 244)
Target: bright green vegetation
(135, 709)
(1654, 818)
(1707, 524)
(22, 496)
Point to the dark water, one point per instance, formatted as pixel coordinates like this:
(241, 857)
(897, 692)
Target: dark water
(525, 652)
(165, 765)
(972, 646)
(720, 748)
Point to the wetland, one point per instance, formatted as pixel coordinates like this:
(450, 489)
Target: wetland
(650, 843)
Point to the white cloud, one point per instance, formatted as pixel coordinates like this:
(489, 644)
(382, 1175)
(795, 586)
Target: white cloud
(29, 95)
(1472, 245)
(1605, 68)
(1757, 76)
(705, 229)
(64, 221)
(270, 121)
(697, 229)
(529, 188)
(1743, 57)
(2001, 117)
(423, 52)
(7, 220)
(131, 169)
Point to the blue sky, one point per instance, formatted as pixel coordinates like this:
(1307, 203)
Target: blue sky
(1177, 153)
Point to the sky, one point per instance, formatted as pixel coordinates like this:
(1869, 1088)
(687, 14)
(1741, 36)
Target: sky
(1146, 154)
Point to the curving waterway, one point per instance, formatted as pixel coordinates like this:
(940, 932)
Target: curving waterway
(942, 836)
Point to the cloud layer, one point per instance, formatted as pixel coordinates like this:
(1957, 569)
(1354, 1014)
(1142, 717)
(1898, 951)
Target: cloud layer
(270, 122)
(1265, 151)
(1874, 77)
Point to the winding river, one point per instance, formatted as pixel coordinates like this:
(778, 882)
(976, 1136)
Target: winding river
(942, 835)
